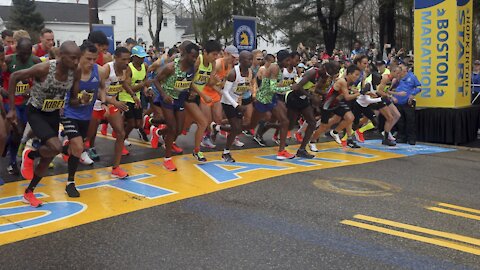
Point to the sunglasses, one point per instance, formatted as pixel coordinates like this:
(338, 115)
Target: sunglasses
(259, 59)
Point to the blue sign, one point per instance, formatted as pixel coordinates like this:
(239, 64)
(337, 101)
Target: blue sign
(108, 30)
(245, 33)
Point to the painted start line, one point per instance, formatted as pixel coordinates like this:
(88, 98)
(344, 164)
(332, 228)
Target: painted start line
(150, 185)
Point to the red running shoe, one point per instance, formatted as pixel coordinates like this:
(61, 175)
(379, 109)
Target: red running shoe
(155, 137)
(119, 173)
(125, 151)
(27, 165)
(282, 155)
(29, 198)
(104, 129)
(176, 149)
(169, 165)
(359, 136)
(298, 137)
(146, 124)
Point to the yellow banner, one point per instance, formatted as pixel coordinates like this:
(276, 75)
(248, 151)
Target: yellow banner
(443, 52)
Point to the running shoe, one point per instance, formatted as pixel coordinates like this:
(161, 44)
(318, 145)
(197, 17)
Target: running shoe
(390, 136)
(248, 133)
(335, 136)
(142, 135)
(29, 198)
(207, 143)
(72, 191)
(127, 143)
(298, 137)
(214, 134)
(302, 153)
(282, 155)
(199, 156)
(350, 143)
(238, 143)
(388, 142)
(64, 156)
(146, 124)
(313, 147)
(169, 165)
(359, 136)
(228, 158)
(125, 152)
(27, 165)
(259, 140)
(12, 169)
(119, 173)
(103, 131)
(155, 138)
(224, 134)
(85, 159)
(92, 153)
(289, 134)
(51, 165)
(275, 139)
(176, 149)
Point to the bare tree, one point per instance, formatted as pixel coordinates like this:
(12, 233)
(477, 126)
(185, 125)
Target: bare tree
(154, 10)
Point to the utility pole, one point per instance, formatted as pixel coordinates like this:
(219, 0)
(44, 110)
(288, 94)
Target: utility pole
(92, 13)
(135, 20)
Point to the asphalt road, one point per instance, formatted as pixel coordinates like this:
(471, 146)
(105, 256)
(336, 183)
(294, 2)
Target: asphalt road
(308, 220)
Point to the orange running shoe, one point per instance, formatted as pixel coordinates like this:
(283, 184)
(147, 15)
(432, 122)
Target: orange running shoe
(29, 197)
(282, 155)
(119, 173)
(104, 129)
(298, 137)
(155, 137)
(176, 149)
(359, 136)
(125, 151)
(27, 165)
(169, 165)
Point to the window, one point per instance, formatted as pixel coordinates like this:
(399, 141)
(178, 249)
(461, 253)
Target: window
(113, 20)
(165, 23)
(58, 43)
(140, 21)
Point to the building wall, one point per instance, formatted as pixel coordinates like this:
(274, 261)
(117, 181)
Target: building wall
(67, 31)
(123, 10)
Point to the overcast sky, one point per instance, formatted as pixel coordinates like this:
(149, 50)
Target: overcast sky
(9, 2)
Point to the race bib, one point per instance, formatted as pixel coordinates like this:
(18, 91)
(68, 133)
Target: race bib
(21, 88)
(242, 88)
(114, 89)
(86, 97)
(53, 104)
(286, 82)
(203, 78)
(182, 85)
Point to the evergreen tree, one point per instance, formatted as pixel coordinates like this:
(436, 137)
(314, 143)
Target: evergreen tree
(25, 17)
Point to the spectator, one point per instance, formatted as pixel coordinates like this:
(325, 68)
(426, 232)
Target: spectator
(406, 90)
(7, 38)
(476, 80)
(357, 49)
(130, 43)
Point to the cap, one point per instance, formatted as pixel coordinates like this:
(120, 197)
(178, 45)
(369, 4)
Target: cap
(379, 63)
(232, 50)
(477, 62)
(139, 51)
(301, 65)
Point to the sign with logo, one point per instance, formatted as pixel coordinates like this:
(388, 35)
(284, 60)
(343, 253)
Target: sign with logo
(245, 33)
(108, 30)
(443, 36)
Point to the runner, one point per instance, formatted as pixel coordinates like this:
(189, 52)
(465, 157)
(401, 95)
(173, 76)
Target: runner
(3, 126)
(305, 96)
(51, 82)
(173, 83)
(76, 119)
(238, 84)
(47, 41)
(266, 104)
(135, 82)
(204, 67)
(22, 59)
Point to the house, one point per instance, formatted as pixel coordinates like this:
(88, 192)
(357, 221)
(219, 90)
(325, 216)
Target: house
(69, 21)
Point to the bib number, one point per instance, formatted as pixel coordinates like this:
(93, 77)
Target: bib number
(53, 104)
(21, 88)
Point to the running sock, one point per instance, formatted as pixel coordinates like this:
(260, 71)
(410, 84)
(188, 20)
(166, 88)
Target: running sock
(345, 137)
(226, 151)
(33, 184)
(34, 154)
(72, 167)
(368, 126)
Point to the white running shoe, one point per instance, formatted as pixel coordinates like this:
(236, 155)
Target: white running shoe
(127, 143)
(85, 159)
(390, 136)
(335, 136)
(207, 143)
(313, 147)
(238, 143)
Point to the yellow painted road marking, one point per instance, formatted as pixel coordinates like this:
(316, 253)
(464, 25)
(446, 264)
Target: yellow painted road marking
(454, 213)
(466, 209)
(415, 237)
(452, 236)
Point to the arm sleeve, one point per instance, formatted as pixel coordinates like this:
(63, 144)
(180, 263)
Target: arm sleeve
(278, 89)
(226, 93)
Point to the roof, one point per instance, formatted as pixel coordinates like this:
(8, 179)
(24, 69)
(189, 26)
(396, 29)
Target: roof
(55, 12)
(187, 23)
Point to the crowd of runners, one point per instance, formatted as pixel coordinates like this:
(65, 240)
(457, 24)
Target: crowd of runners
(55, 100)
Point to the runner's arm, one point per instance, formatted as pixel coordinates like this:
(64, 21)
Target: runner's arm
(102, 91)
(36, 59)
(231, 77)
(274, 70)
(36, 71)
(162, 76)
(127, 82)
(342, 84)
(74, 100)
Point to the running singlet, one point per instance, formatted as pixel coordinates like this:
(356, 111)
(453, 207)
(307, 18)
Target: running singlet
(331, 101)
(179, 82)
(39, 51)
(22, 86)
(88, 88)
(49, 95)
(137, 77)
(221, 74)
(203, 75)
(241, 86)
(286, 78)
